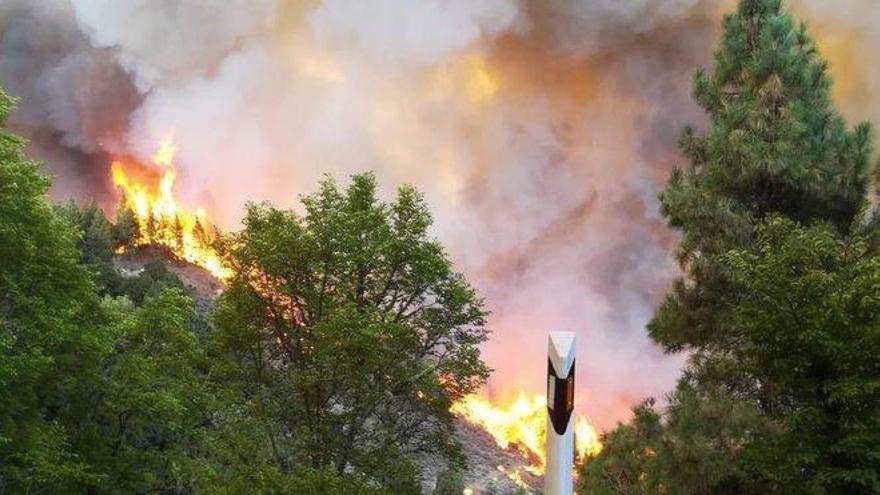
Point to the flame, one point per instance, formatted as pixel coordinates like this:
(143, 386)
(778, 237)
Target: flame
(471, 75)
(587, 442)
(160, 219)
(523, 424)
(515, 476)
(167, 150)
(483, 84)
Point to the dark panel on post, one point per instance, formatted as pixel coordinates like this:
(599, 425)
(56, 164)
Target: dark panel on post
(560, 397)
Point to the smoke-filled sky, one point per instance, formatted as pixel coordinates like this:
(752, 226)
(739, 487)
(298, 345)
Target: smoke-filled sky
(540, 132)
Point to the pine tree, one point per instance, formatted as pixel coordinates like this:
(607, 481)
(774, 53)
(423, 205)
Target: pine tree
(201, 234)
(775, 148)
(126, 230)
(152, 228)
(776, 145)
(178, 233)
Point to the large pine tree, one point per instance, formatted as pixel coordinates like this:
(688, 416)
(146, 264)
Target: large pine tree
(775, 145)
(775, 149)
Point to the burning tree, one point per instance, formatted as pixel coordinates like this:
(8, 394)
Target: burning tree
(150, 214)
(348, 333)
(126, 230)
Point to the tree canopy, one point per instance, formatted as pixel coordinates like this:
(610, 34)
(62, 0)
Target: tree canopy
(346, 330)
(47, 305)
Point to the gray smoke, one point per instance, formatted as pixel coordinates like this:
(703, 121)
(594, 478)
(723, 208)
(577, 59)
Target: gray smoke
(75, 99)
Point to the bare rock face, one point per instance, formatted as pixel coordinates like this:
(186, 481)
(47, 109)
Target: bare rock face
(201, 285)
(490, 469)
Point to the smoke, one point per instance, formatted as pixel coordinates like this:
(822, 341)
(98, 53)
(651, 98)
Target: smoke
(540, 132)
(75, 99)
(413, 34)
(163, 42)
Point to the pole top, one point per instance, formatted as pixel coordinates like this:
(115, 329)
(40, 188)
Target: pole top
(561, 351)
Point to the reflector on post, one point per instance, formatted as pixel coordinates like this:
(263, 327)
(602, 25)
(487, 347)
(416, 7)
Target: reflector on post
(560, 408)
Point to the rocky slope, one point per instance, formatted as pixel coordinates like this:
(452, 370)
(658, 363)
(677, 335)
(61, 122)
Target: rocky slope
(490, 469)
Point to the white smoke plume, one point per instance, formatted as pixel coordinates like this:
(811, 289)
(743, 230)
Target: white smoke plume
(540, 131)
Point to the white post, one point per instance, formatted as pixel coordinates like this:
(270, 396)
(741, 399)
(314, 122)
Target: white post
(560, 421)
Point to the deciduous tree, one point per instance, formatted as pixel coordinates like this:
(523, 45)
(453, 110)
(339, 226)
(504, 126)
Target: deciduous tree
(348, 333)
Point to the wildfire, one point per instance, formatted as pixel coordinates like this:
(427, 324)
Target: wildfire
(160, 220)
(483, 84)
(523, 424)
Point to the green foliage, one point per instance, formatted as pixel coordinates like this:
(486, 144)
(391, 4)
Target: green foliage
(303, 481)
(152, 280)
(126, 231)
(811, 327)
(47, 308)
(96, 395)
(346, 334)
(776, 145)
(692, 449)
(145, 397)
(775, 315)
(449, 482)
(141, 407)
(96, 241)
(341, 342)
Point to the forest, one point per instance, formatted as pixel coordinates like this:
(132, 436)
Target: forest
(344, 332)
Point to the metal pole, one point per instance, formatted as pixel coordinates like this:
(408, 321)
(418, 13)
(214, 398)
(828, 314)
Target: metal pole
(560, 406)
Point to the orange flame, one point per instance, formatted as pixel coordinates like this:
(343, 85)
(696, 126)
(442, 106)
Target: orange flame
(160, 220)
(523, 424)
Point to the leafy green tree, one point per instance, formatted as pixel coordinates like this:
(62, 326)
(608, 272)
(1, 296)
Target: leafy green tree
(95, 243)
(345, 334)
(151, 281)
(141, 423)
(692, 449)
(811, 326)
(96, 240)
(47, 306)
(628, 461)
(96, 396)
